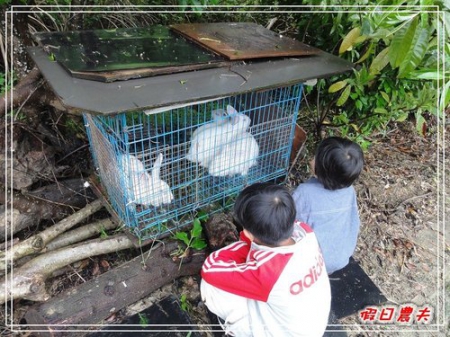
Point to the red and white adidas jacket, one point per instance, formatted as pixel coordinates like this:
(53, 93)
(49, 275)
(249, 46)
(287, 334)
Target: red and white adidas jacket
(287, 287)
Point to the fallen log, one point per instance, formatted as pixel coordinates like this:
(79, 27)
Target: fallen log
(70, 193)
(95, 300)
(13, 221)
(38, 242)
(55, 201)
(28, 281)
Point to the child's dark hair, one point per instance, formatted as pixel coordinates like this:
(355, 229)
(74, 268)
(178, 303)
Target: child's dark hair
(267, 211)
(338, 162)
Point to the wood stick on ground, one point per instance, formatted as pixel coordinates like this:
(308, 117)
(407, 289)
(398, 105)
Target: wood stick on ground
(38, 242)
(80, 234)
(28, 281)
(95, 300)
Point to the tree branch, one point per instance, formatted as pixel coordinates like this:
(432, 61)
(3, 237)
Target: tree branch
(38, 242)
(80, 234)
(28, 281)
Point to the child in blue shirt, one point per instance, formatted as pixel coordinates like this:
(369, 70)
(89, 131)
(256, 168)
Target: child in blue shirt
(327, 202)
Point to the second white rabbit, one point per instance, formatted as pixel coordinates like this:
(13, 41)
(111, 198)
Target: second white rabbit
(208, 140)
(236, 157)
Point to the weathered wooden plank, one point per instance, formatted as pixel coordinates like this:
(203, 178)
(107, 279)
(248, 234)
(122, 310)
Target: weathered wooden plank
(123, 75)
(243, 40)
(95, 300)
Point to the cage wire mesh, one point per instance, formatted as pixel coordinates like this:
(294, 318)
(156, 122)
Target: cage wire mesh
(141, 157)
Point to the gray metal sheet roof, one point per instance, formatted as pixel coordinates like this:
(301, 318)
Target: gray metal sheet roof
(79, 95)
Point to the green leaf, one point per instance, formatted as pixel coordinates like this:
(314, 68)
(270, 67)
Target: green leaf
(183, 237)
(380, 111)
(184, 304)
(349, 40)
(401, 43)
(196, 230)
(424, 75)
(444, 100)
(143, 320)
(202, 215)
(198, 244)
(379, 62)
(360, 39)
(368, 52)
(385, 96)
(402, 117)
(366, 28)
(344, 96)
(416, 53)
(420, 121)
(445, 17)
(337, 86)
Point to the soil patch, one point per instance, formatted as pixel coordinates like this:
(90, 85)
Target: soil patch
(402, 246)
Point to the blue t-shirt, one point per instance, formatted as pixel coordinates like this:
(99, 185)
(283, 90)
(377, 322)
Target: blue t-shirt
(334, 217)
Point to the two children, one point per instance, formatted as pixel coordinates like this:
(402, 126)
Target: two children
(274, 281)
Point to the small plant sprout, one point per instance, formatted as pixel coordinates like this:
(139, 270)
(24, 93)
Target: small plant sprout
(143, 320)
(103, 233)
(185, 304)
(192, 240)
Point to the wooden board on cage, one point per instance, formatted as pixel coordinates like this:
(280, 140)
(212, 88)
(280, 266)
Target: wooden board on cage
(243, 40)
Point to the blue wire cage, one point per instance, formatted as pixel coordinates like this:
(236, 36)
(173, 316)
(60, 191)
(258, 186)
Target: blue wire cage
(141, 157)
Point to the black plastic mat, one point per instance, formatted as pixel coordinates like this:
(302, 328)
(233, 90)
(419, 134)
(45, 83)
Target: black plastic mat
(352, 290)
(163, 319)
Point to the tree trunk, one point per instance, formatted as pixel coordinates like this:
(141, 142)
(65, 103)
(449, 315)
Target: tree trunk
(95, 300)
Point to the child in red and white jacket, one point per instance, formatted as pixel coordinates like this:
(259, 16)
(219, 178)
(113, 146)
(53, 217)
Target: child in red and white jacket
(273, 282)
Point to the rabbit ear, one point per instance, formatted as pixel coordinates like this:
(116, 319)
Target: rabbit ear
(217, 114)
(231, 111)
(235, 119)
(157, 166)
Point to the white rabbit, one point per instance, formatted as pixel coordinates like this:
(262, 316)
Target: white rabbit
(218, 116)
(208, 143)
(237, 157)
(144, 188)
(130, 162)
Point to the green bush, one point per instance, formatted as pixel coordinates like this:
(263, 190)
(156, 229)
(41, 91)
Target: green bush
(398, 73)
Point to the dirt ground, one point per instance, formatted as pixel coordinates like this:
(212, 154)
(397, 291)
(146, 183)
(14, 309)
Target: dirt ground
(403, 242)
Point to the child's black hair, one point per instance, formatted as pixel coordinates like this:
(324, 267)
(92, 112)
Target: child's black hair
(267, 211)
(338, 162)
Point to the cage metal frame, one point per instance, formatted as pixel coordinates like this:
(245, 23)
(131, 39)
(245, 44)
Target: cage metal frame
(273, 113)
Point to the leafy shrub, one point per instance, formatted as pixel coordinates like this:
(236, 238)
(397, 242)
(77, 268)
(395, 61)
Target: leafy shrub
(398, 72)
